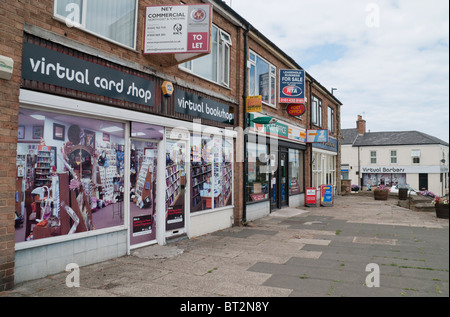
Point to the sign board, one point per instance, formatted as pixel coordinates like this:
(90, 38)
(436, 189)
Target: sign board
(54, 68)
(296, 110)
(204, 108)
(326, 196)
(279, 129)
(317, 136)
(254, 104)
(292, 86)
(178, 29)
(311, 197)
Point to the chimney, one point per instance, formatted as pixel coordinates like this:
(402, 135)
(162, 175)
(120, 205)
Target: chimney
(361, 125)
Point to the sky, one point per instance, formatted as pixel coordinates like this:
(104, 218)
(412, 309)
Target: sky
(388, 59)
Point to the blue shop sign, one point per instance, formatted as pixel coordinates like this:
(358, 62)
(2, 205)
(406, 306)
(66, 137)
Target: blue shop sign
(332, 145)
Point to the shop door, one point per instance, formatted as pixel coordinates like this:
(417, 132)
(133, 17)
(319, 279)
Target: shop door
(274, 195)
(283, 179)
(143, 167)
(176, 193)
(423, 181)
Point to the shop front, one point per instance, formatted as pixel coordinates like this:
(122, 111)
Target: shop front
(101, 173)
(276, 169)
(324, 163)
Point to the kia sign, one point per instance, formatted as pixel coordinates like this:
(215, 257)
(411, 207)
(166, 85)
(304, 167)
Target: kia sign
(178, 29)
(292, 86)
(296, 110)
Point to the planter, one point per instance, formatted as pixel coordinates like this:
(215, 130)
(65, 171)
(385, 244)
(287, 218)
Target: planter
(380, 195)
(441, 211)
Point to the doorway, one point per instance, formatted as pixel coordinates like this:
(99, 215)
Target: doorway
(176, 191)
(423, 181)
(279, 181)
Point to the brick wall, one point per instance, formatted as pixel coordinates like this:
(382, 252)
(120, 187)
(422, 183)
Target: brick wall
(11, 30)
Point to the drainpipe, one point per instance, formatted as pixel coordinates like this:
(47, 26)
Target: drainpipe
(311, 126)
(244, 201)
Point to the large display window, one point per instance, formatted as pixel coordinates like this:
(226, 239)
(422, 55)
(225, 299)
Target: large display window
(211, 172)
(296, 165)
(258, 172)
(70, 175)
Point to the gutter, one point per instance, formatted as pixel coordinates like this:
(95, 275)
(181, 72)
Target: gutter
(244, 96)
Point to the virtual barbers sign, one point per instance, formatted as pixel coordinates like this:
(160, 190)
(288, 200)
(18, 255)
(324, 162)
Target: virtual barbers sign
(401, 169)
(50, 67)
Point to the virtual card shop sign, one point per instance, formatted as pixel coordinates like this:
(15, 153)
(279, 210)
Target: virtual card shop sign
(47, 66)
(178, 29)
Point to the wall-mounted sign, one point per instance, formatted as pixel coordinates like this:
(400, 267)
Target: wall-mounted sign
(317, 136)
(292, 86)
(296, 110)
(200, 107)
(279, 129)
(51, 67)
(254, 104)
(178, 29)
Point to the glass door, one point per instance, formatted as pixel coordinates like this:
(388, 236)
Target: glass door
(143, 167)
(175, 187)
(283, 179)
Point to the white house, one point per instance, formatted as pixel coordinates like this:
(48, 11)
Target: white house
(391, 158)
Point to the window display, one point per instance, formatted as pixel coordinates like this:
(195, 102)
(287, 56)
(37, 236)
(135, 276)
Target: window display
(295, 172)
(67, 184)
(258, 175)
(211, 172)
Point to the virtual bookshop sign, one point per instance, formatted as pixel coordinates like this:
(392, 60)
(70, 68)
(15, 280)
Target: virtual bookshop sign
(204, 108)
(54, 68)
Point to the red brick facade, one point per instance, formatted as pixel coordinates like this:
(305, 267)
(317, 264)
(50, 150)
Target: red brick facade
(33, 20)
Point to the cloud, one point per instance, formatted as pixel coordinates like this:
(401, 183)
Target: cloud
(396, 72)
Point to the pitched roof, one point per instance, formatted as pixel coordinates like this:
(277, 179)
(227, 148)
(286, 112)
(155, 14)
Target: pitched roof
(349, 136)
(393, 138)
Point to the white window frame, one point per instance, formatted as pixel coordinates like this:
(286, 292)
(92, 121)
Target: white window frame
(415, 154)
(331, 121)
(82, 26)
(224, 44)
(373, 158)
(394, 156)
(272, 79)
(317, 117)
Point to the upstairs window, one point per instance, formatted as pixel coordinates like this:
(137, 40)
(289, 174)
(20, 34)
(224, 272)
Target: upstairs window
(331, 120)
(393, 157)
(262, 79)
(373, 157)
(114, 20)
(215, 66)
(415, 156)
(316, 111)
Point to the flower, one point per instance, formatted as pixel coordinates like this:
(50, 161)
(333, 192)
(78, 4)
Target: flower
(382, 188)
(427, 193)
(439, 201)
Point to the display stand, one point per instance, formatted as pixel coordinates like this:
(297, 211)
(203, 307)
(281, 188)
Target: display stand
(144, 184)
(200, 176)
(173, 183)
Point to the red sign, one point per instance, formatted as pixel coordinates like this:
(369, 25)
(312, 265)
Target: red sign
(258, 197)
(296, 110)
(311, 197)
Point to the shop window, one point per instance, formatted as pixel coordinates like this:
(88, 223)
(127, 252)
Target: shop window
(70, 175)
(262, 79)
(316, 111)
(258, 172)
(114, 20)
(295, 172)
(215, 66)
(211, 172)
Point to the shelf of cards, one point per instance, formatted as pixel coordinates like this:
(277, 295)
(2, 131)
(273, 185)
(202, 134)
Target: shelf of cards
(43, 168)
(173, 188)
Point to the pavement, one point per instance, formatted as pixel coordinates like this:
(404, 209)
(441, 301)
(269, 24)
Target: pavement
(358, 248)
